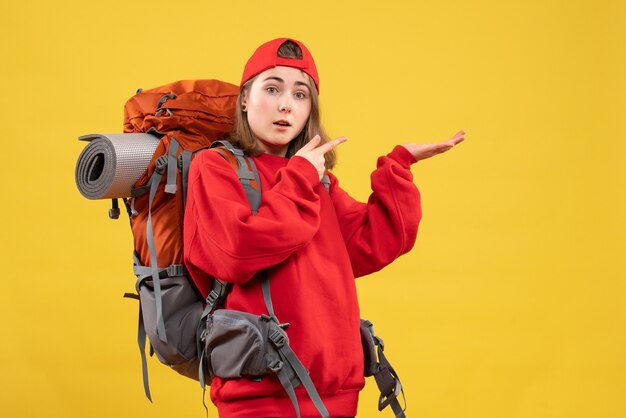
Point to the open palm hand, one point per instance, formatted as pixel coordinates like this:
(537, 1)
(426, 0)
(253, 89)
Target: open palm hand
(424, 151)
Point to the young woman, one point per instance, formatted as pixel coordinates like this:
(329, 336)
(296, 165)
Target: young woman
(311, 242)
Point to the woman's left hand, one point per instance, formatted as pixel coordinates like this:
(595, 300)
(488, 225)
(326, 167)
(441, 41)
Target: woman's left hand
(424, 151)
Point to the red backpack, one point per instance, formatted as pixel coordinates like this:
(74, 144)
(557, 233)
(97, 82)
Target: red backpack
(188, 116)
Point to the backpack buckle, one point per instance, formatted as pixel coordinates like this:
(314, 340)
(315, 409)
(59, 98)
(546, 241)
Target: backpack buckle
(160, 164)
(176, 270)
(275, 365)
(278, 338)
(212, 298)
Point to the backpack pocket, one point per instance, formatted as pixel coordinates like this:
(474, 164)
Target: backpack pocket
(237, 344)
(181, 312)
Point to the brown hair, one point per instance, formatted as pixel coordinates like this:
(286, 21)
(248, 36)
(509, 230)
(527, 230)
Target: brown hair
(243, 137)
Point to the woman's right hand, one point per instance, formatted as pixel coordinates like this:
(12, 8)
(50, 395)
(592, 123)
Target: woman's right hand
(313, 152)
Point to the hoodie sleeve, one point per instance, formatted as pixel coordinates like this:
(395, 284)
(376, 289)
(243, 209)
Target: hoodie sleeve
(224, 240)
(384, 228)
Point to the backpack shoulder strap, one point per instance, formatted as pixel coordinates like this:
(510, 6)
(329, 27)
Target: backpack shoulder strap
(249, 178)
(246, 170)
(326, 182)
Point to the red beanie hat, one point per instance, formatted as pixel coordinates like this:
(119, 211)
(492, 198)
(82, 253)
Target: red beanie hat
(266, 57)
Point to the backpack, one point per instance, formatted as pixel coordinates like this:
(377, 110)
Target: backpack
(187, 117)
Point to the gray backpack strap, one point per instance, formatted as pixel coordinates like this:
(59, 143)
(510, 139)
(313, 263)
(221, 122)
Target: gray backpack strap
(283, 377)
(170, 186)
(389, 385)
(289, 358)
(267, 296)
(141, 330)
(141, 341)
(386, 377)
(160, 166)
(246, 174)
(216, 296)
(185, 162)
(253, 195)
(326, 182)
(201, 369)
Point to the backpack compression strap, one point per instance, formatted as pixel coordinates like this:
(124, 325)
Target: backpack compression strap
(386, 377)
(170, 186)
(160, 166)
(184, 163)
(163, 163)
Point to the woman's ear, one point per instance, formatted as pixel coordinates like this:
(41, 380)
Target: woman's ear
(244, 100)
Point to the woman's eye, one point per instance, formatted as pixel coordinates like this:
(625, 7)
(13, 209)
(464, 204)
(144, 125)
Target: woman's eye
(300, 95)
(271, 90)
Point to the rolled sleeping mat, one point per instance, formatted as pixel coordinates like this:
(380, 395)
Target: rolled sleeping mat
(111, 164)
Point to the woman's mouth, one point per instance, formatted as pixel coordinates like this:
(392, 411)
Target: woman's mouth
(282, 122)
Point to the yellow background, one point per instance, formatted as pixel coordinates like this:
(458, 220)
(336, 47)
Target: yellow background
(511, 303)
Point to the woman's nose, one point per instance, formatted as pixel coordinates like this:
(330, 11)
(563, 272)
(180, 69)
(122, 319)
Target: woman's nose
(285, 106)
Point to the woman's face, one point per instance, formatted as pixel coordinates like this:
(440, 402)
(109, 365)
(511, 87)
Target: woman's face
(278, 106)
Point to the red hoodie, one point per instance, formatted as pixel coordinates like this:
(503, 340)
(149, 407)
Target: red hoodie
(313, 244)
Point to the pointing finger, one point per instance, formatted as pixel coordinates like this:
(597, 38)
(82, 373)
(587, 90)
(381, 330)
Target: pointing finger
(312, 144)
(324, 148)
